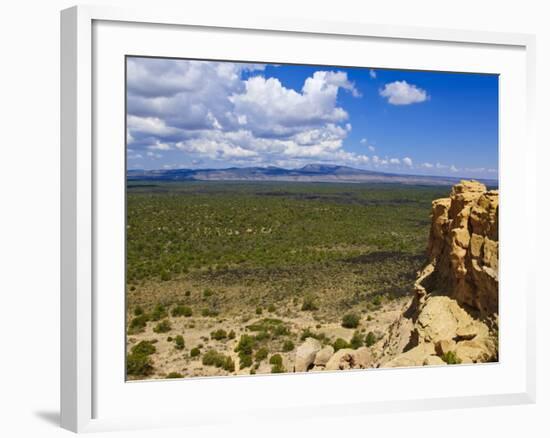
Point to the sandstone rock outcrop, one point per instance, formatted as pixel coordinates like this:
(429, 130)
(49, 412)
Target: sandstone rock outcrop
(323, 356)
(305, 354)
(463, 246)
(454, 314)
(347, 358)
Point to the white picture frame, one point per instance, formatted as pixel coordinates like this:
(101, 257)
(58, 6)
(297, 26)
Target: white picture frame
(83, 176)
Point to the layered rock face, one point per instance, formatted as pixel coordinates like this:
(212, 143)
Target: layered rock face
(454, 314)
(463, 246)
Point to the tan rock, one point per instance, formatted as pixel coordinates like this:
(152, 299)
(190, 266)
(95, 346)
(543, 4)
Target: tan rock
(414, 357)
(433, 361)
(363, 358)
(305, 354)
(461, 273)
(476, 351)
(445, 346)
(476, 245)
(323, 356)
(347, 358)
(439, 319)
(341, 360)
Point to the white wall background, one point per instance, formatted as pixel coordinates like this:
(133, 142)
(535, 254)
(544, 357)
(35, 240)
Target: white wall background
(29, 214)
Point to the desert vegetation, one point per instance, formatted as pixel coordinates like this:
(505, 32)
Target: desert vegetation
(240, 275)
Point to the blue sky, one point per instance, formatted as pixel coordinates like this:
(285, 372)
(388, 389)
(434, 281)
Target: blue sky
(201, 114)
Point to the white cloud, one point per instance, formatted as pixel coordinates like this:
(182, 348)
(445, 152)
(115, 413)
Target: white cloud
(159, 146)
(208, 110)
(372, 73)
(395, 161)
(453, 168)
(403, 93)
(369, 146)
(407, 162)
(427, 165)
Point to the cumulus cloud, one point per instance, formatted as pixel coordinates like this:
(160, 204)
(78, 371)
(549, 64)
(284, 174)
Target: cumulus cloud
(407, 162)
(211, 109)
(370, 147)
(403, 93)
(427, 165)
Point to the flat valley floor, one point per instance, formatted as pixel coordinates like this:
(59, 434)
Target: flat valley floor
(231, 278)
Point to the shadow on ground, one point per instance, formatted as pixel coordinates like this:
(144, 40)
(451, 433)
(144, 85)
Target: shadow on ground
(51, 417)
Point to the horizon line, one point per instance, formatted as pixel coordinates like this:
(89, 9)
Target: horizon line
(312, 164)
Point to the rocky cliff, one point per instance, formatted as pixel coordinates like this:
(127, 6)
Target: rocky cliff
(453, 317)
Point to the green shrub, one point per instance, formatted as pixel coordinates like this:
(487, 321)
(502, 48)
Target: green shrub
(245, 360)
(273, 326)
(231, 334)
(261, 354)
(288, 346)
(246, 344)
(169, 339)
(307, 333)
(195, 352)
(218, 334)
(144, 348)
(262, 336)
(181, 310)
(138, 310)
(278, 368)
(138, 365)
(163, 327)
(377, 300)
(229, 364)
(158, 313)
(180, 342)
(357, 340)
(271, 308)
(138, 324)
(259, 310)
(213, 358)
(209, 312)
(207, 293)
(187, 293)
(351, 320)
(340, 343)
(174, 375)
(276, 359)
(370, 340)
(309, 303)
(451, 358)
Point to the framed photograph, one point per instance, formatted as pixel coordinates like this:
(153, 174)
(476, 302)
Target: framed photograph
(258, 209)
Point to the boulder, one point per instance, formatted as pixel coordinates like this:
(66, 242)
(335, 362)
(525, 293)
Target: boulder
(348, 358)
(305, 354)
(476, 351)
(341, 360)
(323, 356)
(440, 318)
(445, 346)
(413, 357)
(433, 361)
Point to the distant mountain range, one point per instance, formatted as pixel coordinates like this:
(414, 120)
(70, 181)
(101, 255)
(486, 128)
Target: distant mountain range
(308, 173)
